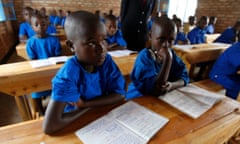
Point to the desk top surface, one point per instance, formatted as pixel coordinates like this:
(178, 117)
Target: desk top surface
(215, 126)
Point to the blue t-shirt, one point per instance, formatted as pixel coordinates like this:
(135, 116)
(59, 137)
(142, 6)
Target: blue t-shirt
(146, 70)
(58, 20)
(73, 82)
(52, 19)
(197, 36)
(228, 36)
(209, 29)
(42, 48)
(26, 30)
(51, 29)
(117, 38)
(180, 37)
(225, 68)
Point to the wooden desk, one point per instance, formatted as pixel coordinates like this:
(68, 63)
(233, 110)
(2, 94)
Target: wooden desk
(214, 127)
(61, 34)
(210, 52)
(18, 79)
(21, 50)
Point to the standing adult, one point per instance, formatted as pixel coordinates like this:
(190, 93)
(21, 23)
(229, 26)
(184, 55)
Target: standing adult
(134, 15)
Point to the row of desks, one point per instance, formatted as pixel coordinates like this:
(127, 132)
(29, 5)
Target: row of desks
(214, 127)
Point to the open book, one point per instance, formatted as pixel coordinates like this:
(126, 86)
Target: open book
(191, 100)
(129, 123)
(48, 62)
(121, 53)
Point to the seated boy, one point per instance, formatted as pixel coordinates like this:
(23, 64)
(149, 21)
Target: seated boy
(187, 27)
(158, 69)
(181, 37)
(114, 37)
(211, 25)
(87, 80)
(25, 29)
(41, 46)
(230, 35)
(197, 35)
(225, 70)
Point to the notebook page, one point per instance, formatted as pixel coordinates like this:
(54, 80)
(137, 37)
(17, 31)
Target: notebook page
(185, 104)
(139, 119)
(40, 63)
(107, 131)
(59, 59)
(201, 95)
(121, 53)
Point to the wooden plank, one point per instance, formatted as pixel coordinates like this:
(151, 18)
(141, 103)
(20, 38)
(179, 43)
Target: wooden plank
(215, 126)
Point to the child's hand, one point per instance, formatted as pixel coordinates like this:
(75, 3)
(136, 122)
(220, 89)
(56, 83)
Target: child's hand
(164, 54)
(166, 87)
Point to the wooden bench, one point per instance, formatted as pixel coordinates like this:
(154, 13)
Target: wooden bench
(19, 79)
(216, 126)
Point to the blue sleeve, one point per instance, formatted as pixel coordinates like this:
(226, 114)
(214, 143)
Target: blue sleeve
(191, 37)
(143, 75)
(57, 20)
(64, 88)
(120, 40)
(178, 70)
(30, 50)
(58, 47)
(22, 30)
(210, 29)
(116, 82)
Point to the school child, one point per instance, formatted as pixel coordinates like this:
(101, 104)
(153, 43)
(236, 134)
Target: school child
(43, 11)
(41, 46)
(158, 69)
(87, 80)
(187, 27)
(224, 71)
(64, 18)
(230, 35)
(114, 37)
(59, 18)
(197, 35)
(52, 16)
(181, 38)
(211, 25)
(25, 29)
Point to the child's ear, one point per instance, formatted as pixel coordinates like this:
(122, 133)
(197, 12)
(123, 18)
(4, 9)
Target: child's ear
(69, 44)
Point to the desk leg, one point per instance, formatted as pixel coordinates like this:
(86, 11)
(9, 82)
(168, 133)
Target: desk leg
(24, 107)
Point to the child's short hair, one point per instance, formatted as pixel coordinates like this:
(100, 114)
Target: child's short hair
(237, 24)
(29, 9)
(165, 21)
(80, 22)
(111, 18)
(38, 14)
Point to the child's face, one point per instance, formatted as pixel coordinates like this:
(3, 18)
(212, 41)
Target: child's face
(91, 48)
(203, 24)
(111, 27)
(162, 37)
(39, 25)
(26, 15)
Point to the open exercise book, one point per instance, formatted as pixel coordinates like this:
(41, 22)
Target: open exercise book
(129, 123)
(121, 53)
(191, 100)
(48, 62)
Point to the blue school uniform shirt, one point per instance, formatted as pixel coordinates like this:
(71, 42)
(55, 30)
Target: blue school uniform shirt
(51, 29)
(26, 30)
(225, 69)
(57, 20)
(63, 21)
(197, 36)
(180, 37)
(146, 70)
(116, 38)
(209, 29)
(52, 19)
(228, 36)
(73, 82)
(42, 48)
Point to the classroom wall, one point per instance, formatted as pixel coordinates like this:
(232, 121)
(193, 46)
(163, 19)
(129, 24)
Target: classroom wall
(72, 5)
(227, 12)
